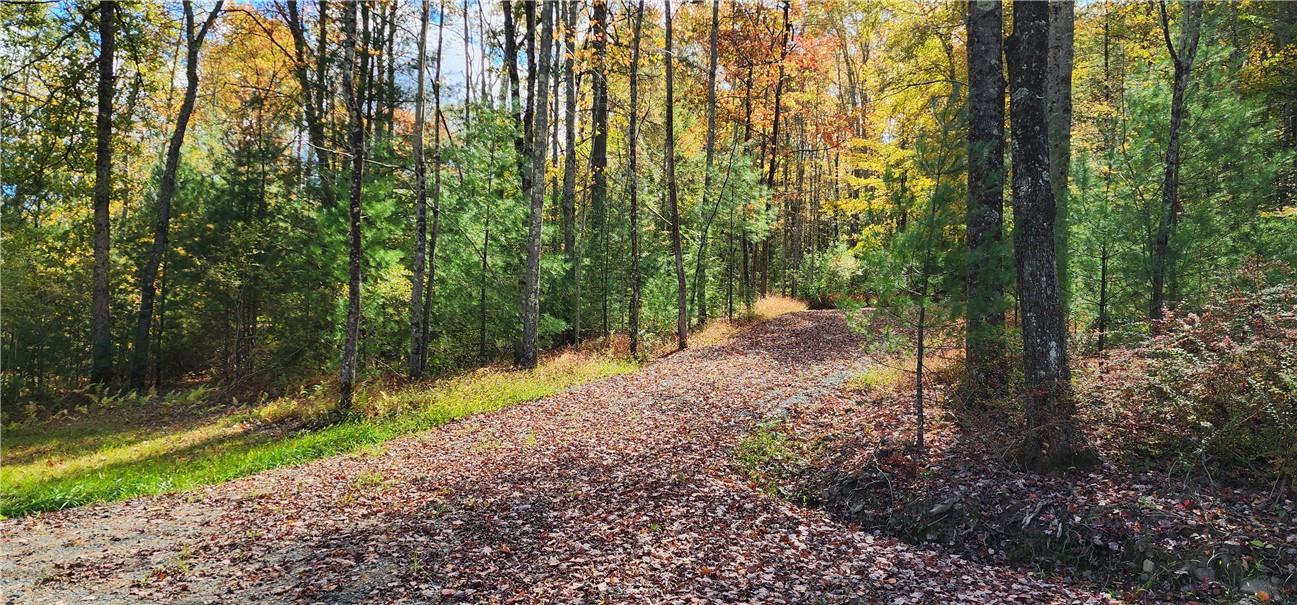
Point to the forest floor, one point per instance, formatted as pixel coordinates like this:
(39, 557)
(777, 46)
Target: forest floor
(644, 487)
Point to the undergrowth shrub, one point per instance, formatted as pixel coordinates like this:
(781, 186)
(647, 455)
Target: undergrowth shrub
(1217, 388)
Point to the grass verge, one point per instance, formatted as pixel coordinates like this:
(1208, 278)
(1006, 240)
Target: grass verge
(126, 451)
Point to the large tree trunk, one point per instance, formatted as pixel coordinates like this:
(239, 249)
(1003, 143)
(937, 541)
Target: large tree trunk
(167, 190)
(540, 127)
(632, 186)
(1052, 441)
(984, 331)
(353, 75)
(569, 171)
(1182, 57)
(1058, 106)
(417, 344)
(101, 340)
(700, 269)
(599, 153)
(673, 207)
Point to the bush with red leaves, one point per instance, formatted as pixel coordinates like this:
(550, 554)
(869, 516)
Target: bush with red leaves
(1217, 388)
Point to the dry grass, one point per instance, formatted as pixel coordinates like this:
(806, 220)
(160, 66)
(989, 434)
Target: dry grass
(771, 307)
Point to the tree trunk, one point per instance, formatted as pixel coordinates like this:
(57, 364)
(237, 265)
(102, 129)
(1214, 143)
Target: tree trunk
(1182, 58)
(1052, 441)
(569, 171)
(515, 94)
(984, 331)
(673, 207)
(166, 190)
(599, 152)
(390, 92)
(417, 344)
(353, 75)
(700, 278)
(1058, 102)
(436, 187)
(632, 186)
(101, 342)
(468, 73)
(540, 127)
(313, 94)
(529, 112)
(774, 140)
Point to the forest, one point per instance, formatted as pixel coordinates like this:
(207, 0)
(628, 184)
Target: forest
(1007, 282)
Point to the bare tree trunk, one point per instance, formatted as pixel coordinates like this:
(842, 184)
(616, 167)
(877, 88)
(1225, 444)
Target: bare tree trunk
(700, 273)
(1190, 27)
(1058, 103)
(599, 153)
(682, 311)
(529, 111)
(531, 273)
(417, 345)
(632, 186)
(569, 171)
(436, 188)
(984, 331)
(515, 94)
(774, 140)
(1052, 441)
(167, 190)
(468, 72)
(101, 340)
(313, 93)
(390, 91)
(356, 144)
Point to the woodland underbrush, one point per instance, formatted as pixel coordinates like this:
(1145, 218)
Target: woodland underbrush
(1192, 499)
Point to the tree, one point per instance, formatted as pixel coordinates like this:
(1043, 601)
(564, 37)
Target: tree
(569, 170)
(101, 369)
(1058, 107)
(1052, 441)
(418, 345)
(313, 93)
(599, 154)
(673, 206)
(1182, 58)
(356, 146)
(540, 115)
(700, 268)
(521, 130)
(435, 232)
(632, 184)
(166, 190)
(774, 137)
(984, 332)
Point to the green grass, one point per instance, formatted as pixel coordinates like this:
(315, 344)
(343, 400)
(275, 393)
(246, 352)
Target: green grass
(763, 454)
(127, 452)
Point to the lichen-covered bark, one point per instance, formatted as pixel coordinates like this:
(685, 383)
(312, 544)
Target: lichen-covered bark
(984, 343)
(1051, 441)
